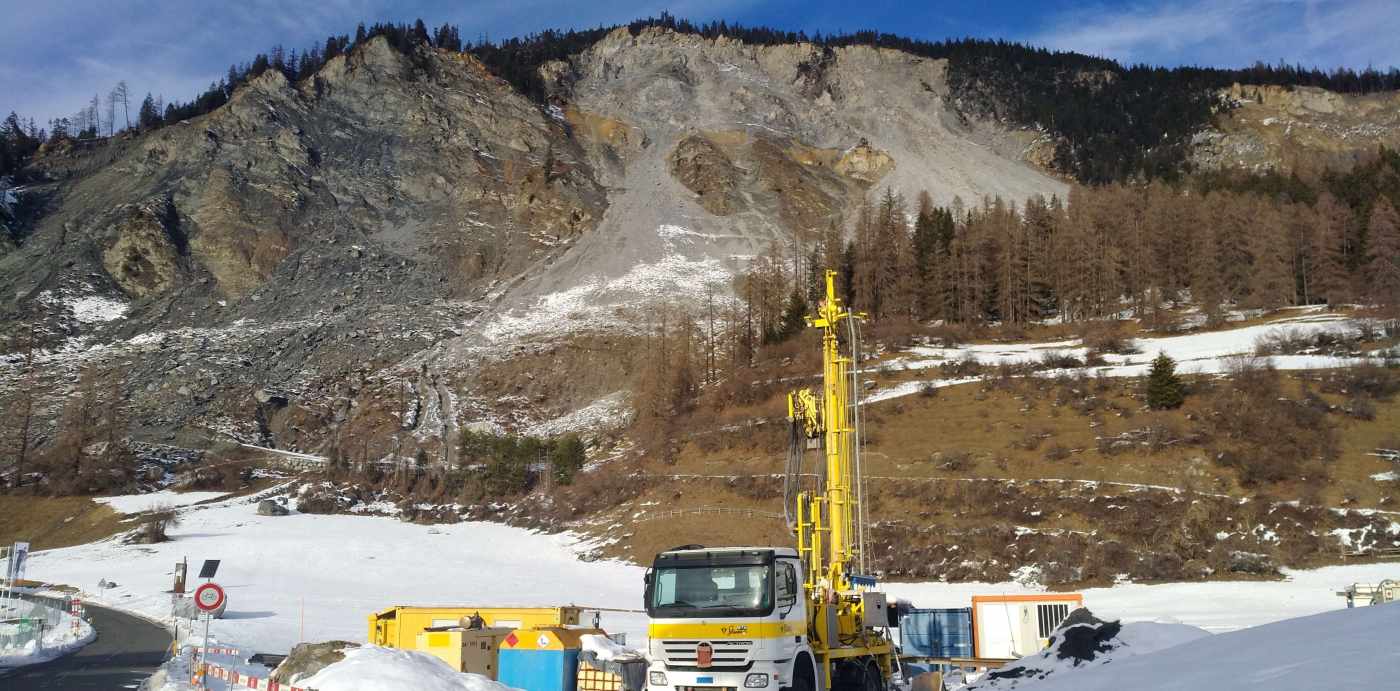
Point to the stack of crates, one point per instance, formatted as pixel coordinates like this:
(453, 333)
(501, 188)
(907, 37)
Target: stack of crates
(610, 675)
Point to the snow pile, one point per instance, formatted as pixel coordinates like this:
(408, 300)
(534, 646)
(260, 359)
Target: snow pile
(1083, 641)
(606, 649)
(1341, 649)
(372, 668)
(140, 503)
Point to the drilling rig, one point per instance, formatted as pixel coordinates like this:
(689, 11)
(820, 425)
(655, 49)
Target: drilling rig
(803, 618)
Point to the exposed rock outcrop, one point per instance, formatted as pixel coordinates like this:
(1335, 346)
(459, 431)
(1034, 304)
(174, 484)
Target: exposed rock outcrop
(1279, 128)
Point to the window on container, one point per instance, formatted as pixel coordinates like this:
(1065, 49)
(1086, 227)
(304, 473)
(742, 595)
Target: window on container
(1050, 616)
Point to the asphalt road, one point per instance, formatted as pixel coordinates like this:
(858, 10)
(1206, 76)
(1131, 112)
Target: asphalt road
(127, 650)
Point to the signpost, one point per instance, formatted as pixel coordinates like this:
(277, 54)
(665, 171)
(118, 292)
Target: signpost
(180, 567)
(208, 597)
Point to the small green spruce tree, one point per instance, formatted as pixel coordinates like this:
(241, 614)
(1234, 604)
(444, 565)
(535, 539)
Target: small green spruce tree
(1164, 388)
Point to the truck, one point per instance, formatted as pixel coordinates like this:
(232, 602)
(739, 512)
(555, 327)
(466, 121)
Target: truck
(805, 617)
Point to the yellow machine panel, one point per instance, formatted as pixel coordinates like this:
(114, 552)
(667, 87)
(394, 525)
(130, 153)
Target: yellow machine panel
(465, 650)
(399, 626)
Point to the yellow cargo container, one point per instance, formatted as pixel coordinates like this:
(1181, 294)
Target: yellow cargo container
(399, 626)
(465, 650)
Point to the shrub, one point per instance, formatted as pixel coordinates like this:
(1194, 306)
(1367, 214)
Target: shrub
(1370, 380)
(1107, 337)
(1361, 408)
(156, 522)
(954, 461)
(1057, 452)
(1057, 359)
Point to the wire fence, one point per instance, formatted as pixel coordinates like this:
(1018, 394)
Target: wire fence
(721, 510)
(23, 623)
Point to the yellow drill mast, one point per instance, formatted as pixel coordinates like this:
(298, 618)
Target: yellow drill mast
(827, 518)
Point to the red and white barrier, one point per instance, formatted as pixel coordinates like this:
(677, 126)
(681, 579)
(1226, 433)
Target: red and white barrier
(248, 682)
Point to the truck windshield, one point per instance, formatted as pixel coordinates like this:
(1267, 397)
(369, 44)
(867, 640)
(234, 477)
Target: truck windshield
(712, 591)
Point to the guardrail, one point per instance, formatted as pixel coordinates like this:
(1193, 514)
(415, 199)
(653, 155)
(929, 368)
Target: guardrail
(24, 621)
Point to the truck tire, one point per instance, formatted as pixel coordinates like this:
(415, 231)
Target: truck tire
(803, 677)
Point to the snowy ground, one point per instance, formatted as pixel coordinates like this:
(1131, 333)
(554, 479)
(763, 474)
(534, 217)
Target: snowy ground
(313, 577)
(1215, 606)
(1199, 353)
(1345, 649)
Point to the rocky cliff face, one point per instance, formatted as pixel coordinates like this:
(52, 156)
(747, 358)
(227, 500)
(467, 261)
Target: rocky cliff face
(402, 245)
(1277, 128)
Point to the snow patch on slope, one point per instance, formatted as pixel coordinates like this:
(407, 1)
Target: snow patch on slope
(139, 503)
(600, 301)
(609, 412)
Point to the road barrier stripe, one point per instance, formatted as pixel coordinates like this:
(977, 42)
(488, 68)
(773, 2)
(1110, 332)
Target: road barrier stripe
(248, 682)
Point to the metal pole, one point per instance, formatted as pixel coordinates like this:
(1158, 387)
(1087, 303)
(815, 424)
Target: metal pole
(854, 334)
(204, 652)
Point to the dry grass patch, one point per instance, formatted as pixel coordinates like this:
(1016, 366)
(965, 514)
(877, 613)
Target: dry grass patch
(51, 522)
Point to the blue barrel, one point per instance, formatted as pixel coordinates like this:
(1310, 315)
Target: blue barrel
(937, 633)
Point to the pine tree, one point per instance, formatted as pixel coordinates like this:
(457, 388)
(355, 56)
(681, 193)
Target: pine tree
(148, 117)
(1164, 388)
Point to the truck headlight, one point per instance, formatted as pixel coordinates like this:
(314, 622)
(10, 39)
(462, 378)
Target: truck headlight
(657, 678)
(756, 681)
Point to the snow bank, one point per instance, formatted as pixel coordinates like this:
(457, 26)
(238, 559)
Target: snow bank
(1083, 642)
(138, 503)
(1342, 649)
(372, 668)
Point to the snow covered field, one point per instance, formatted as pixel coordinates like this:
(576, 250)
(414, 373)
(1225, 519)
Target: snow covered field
(315, 577)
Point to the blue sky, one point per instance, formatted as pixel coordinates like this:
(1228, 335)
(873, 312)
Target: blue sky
(54, 55)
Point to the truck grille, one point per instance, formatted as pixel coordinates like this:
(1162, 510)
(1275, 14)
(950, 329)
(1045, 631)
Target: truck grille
(727, 654)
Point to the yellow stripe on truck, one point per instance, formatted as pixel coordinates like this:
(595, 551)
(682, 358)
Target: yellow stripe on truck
(754, 630)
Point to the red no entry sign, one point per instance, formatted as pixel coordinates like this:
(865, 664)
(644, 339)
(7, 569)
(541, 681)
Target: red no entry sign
(209, 597)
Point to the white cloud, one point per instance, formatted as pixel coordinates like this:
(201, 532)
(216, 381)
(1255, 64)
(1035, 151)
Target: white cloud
(1323, 33)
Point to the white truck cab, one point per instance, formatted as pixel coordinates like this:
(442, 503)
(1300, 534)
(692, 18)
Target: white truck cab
(728, 618)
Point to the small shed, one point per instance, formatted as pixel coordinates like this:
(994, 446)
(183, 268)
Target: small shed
(1013, 626)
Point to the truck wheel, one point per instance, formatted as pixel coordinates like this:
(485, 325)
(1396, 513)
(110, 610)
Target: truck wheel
(802, 677)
